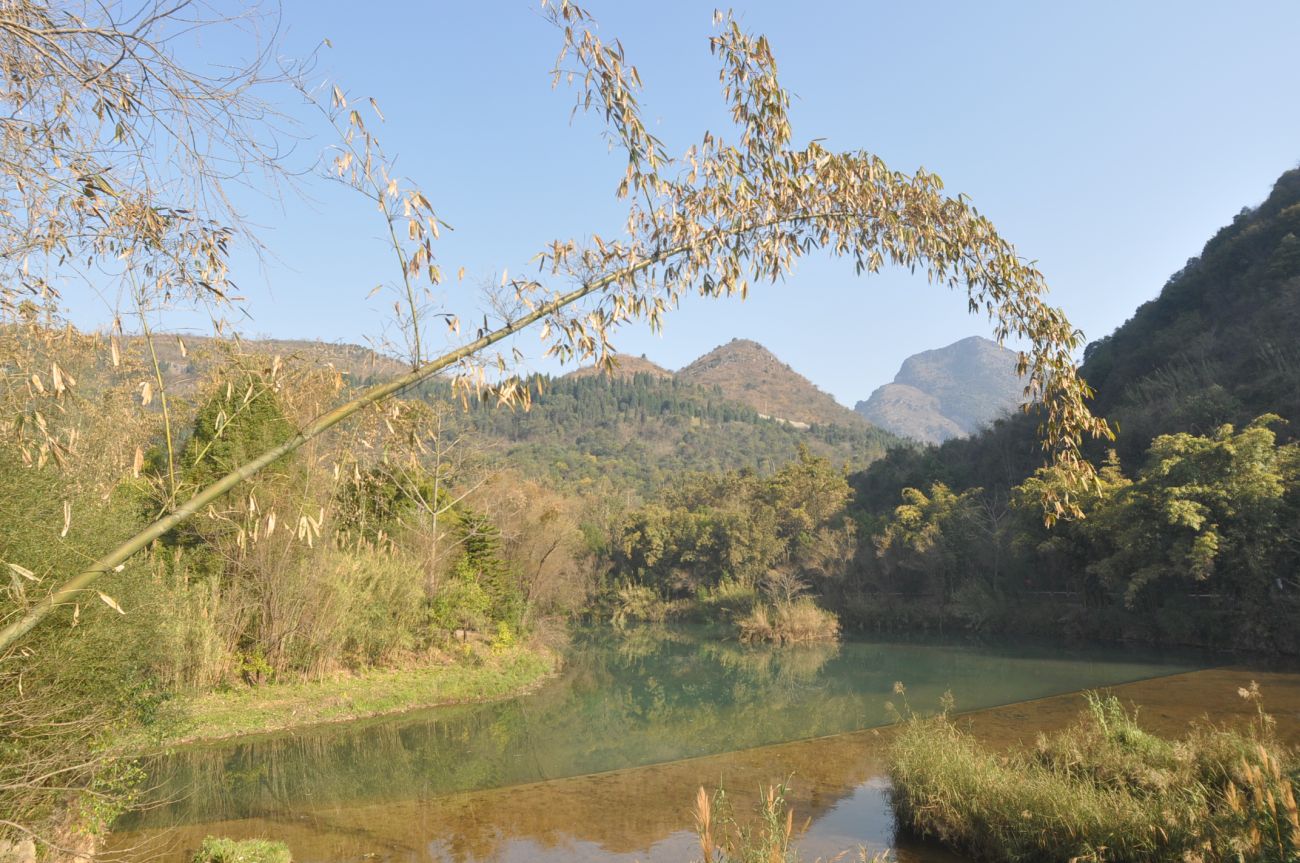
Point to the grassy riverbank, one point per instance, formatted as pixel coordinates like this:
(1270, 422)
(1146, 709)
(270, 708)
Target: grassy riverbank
(1104, 789)
(484, 675)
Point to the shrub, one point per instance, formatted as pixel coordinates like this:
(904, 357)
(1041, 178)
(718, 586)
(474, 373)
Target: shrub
(789, 622)
(636, 603)
(766, 837)
(723, 839)
(221, 850)
(730, 600)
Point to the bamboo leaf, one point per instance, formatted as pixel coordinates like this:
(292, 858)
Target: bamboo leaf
(110, 602)
(23, 571)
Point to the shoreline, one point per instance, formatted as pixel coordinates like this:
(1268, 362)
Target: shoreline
(220, 717)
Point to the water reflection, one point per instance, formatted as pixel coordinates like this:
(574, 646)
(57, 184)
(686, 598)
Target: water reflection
(474, 782)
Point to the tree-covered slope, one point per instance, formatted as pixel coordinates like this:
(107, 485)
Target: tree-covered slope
(750, 374)
(642, 431)
(1220, 344)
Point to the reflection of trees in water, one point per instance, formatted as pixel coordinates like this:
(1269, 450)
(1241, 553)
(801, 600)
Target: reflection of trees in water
(764, 666)
(622, 813)
(645, 697)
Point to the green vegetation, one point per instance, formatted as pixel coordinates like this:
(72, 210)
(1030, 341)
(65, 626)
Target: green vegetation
(737, 546)
(1198, 546)
(337, 584)
(209, 548)
(1104, 790)
(474, 673)
(1192, 532)
(593, 433)
(215, 850)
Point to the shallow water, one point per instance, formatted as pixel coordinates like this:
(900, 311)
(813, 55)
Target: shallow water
(591, 766)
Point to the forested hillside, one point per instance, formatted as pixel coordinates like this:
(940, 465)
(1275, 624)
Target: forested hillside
(1193, 532)
(641, 432)
(1190, 536)
(1222, 341)
(1218, 345)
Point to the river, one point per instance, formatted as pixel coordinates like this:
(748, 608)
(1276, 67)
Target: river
(603, 763)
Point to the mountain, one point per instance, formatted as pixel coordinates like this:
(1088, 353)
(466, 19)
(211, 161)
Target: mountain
(750, 374)
(186, 361)
(641, 432)
(948, 392)
(626, 367)
(1218, 345)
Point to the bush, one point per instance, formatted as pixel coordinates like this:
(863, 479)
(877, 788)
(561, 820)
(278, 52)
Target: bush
(220, 850)
(789, 622)
(1104, 790)
(636, 603)
(728, 601)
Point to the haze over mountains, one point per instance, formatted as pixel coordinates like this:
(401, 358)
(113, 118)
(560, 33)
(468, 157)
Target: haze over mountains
(947, 392)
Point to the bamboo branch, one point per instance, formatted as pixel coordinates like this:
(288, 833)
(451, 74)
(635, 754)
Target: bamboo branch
(114, 560)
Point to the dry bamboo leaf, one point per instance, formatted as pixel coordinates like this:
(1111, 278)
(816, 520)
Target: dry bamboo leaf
(23, 571)
(146, 393)
(110, 602)
(67, 518)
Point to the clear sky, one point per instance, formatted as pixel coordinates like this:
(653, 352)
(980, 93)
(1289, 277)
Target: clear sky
(1107, 140)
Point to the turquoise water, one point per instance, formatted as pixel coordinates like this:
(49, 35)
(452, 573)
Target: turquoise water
(625, 700)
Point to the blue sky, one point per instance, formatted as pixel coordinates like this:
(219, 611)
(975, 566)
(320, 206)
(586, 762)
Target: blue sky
(1107, 140)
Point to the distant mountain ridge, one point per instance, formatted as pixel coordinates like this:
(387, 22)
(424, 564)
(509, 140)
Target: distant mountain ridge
(748, 374)
(947, 392)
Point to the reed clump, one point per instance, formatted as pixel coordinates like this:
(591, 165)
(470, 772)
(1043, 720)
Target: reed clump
(767, 836)
(788, 621)
(1102, 790)
(637, 603)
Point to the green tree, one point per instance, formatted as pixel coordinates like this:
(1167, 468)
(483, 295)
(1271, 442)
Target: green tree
(1204, 510)
(925, 548)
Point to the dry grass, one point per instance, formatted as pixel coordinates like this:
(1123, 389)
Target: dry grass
(790, 621)
(767, 837)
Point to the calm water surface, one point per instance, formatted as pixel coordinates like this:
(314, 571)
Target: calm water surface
(592, 765)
